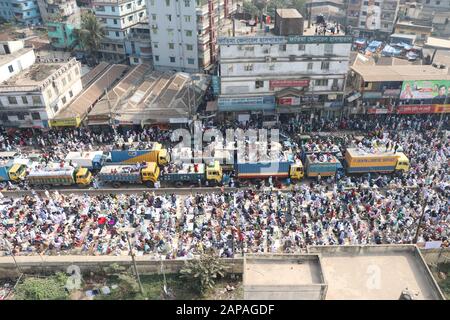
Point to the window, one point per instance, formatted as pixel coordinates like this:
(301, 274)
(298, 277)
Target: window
(139, 2)
(188, 33)
(113, 9)
(64, 82)
(136, 60)
(153, 17)
(189, 47)
(335, 83)
(362, 24)
(310, 65)
(12, 100)
(187, 18)
(282, 47)
(70, 93)
(21, 116)
(190, 61)
(10, 68)
(100, 8)
(55, 108)
(156, 58)
(64, 100)
(377, 4)
(171, 46)
(120, 46)
(170, 32)
(325, 65)
(130, 18)
(301, 47)
(129, 6)
(259, 84)
(249, 48)
(438, 3)
(167, 3)
(366, 3)
(169, 17)
(172, 59)
(271, 67)
(152, 2)
(24, 100)
(155, 31)
(35, 116)
(248, 67)
(187, 3)
(77, 71)
(115, 21)
(49, 93)
(69, 78)
(155, 45)
(321, 82)
(117, 34)
(328, 48)
(364, 13)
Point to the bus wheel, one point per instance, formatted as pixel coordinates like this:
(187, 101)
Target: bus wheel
(179, 184)
(116, 185)
(149, 184)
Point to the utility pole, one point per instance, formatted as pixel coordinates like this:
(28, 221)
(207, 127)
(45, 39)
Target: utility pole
(134, 263)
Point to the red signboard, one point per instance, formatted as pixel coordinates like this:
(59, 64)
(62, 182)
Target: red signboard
(288, 83)
(378, 111)
(289, 101)
(416, 108)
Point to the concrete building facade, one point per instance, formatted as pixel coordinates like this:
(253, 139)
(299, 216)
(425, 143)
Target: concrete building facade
(118, 17)
(137, 44)
(184, 33)
(32, 90)
(23, 11)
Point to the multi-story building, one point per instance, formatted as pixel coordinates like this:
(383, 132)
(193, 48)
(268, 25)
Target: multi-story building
(277, 74)
(434, 13)
(61, 17)
(184, 32)
(137, 44)
(118, 17)
(32, 91)
(23, 11)
(372, 17)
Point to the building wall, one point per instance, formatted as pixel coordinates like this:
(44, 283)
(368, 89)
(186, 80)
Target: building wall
(117, 18)
(173, 26)
(248, 70)
(45, 102)
(17, 65)
(61, 34)
(24, 11)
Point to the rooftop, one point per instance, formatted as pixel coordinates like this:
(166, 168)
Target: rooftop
(282, 276)
(33, 75)
(7, 58)
(289, 13)
(378, 272)
(437, 43)
(381, 73)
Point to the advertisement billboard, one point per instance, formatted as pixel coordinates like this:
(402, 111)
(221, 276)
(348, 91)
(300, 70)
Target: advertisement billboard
(288, 83)
(426, 89)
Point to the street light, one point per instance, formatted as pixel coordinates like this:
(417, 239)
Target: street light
(126, 231)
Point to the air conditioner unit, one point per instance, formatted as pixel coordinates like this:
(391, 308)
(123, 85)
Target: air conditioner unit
(291, 58)
(268, 59)
(154, 26)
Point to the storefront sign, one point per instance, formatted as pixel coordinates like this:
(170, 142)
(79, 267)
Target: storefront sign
(391, 93)
(246, 104)
(378, 111)
(354, 97)
(289, 101)
(417, 108)
(294, 39)
(288, 83)
(70, 122)
(215, 83)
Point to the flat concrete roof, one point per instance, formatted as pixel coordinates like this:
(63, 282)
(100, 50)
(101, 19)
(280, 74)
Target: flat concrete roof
(289, 13)
(437, 43)
(283, 276)
(378, 272)
(7, 58)
(380, 73)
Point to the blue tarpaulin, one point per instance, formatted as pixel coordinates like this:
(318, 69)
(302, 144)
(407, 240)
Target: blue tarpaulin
(374, 45)
(390, 51)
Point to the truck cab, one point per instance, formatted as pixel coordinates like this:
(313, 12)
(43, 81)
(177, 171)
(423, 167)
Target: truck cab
(163, 157)
(150, 173)
(296, 172)
(17, 172)
(83, 177)
(402, 163)
(214, 172)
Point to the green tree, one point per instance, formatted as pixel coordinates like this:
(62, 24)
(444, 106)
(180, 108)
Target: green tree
(202, 273)
(90, 34)
(51, 288)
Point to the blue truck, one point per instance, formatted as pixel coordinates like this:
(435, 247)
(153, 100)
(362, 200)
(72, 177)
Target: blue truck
(6, 162)
(325, 167)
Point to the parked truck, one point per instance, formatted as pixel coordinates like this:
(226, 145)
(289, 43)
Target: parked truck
(326, 167)
(13, 167)
(360, 161)
(156, 153)
(54, 175)
(264, 170)
(6, 162)
(91, 160)
(116, 175)
(194, 173)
